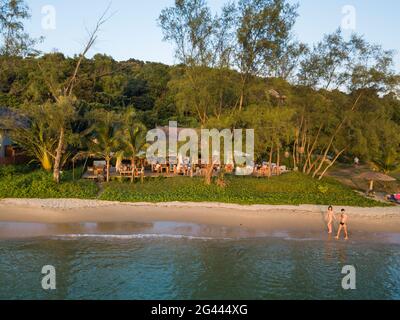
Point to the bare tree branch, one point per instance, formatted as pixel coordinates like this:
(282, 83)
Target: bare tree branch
(93, 36)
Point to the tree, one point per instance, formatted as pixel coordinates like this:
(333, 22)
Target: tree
(264, 40)
(63, 95)
(104, 136)
(273, 130)
(189, 26)
(134, 136)
(387, 157)
(335, 63)
(204, 47)
(14, 41)
(35, 130)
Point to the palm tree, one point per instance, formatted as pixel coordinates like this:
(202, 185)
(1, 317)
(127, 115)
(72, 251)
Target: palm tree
(35, 129)
(134, 136)
(387, 162)
(105, 137)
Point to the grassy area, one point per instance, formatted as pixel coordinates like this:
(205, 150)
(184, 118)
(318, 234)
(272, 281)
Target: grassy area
(293, 188)
(23, 182)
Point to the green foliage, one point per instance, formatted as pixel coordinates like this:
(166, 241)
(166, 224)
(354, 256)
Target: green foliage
(8, 171)
(14, 41)
(104, 136)
(38, 130)
(293, 188)
(230, 62)
(134, 135)
(16, 182)
(356, 64)
(323, 188)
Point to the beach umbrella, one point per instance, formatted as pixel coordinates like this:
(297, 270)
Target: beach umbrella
(375, 176)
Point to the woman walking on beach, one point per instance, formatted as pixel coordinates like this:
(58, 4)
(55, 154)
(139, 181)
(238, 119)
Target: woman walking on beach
(330, 216)
(343, 225)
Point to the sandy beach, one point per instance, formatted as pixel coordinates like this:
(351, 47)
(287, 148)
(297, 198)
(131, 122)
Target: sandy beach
(141, 250)
(304, 218)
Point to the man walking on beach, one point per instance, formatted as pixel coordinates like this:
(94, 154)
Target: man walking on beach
(343, 225)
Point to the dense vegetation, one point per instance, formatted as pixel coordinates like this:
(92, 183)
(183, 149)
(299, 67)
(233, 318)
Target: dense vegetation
(25, 182)
(294, 188)
(241, 68)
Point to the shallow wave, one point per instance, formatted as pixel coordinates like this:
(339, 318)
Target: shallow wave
(170, 236)
(134, 236)
(300, 239)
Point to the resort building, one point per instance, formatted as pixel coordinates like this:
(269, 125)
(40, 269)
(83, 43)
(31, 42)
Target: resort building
(4, 139)
(9, 152)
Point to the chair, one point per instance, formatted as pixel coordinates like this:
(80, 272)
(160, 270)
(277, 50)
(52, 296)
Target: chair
(229, 168)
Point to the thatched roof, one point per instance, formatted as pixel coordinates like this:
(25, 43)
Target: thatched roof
(376, 176)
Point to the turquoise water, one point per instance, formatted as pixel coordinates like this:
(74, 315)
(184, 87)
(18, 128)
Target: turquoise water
(140, 266)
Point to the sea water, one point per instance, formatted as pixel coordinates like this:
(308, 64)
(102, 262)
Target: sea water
(180, 266)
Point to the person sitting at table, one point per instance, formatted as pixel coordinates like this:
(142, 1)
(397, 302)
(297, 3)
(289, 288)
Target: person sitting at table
(263, 170)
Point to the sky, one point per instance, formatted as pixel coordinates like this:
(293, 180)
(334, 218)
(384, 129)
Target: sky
(133, 31)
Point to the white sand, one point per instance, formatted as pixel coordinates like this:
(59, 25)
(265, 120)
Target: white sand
(263, 217)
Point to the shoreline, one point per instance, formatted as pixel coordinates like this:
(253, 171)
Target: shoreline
(266, 218)
(72, 203)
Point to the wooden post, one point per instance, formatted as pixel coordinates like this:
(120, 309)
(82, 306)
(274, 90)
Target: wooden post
(84, 166)
(278, 161)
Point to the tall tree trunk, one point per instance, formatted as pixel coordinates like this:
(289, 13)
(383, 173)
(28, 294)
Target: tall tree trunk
(294, 156)
(208, 174)
(312, 165)
(108, 170)
(278, 160)
(68, 89)
(296, 146)
(57, 160)
(328, 148)
(303, 144)
(242, 90)
(331, 164)
(311, 151)
(133, 168)
(339, 127)
(241, 100)
(270, 160)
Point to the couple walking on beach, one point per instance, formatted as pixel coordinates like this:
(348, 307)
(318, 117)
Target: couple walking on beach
(330, 217)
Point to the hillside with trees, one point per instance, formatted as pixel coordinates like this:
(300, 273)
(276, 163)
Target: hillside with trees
(243, 67)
